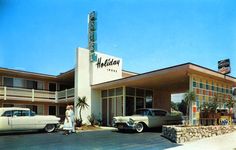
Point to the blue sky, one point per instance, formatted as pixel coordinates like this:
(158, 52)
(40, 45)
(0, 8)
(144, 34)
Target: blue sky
(42, 35)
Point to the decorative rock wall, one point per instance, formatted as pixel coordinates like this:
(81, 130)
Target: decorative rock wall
(181, 134)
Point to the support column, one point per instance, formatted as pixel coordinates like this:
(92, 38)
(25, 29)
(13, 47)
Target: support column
(124, 100)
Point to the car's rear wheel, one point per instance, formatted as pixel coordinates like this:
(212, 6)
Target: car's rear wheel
(50, 128)
(139, 127)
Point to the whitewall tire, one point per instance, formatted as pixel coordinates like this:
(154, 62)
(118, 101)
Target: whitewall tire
(139, 127)
(50, 128)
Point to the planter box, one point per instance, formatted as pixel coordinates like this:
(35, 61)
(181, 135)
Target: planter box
(181, 134)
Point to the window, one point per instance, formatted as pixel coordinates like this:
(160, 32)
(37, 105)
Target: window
(111, 92)
(31, 84)
(207, 86)
(140, 92)
(129, 105)
(130, 91)
(159, 113)
(40, 85)
(194, 84)
(8, 82)
(119, 91)
(17, 113)
(52, 87)
(201, 85)
(104, 93)
(7, 114)
(139, 103)
(148, 99)
(18, 82)
(24, 113)
(52, 110)
(62, 110)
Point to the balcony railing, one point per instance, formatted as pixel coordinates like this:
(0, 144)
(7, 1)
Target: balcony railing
(11, 93)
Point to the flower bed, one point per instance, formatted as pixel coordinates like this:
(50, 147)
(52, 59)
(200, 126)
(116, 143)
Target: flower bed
(181, 134)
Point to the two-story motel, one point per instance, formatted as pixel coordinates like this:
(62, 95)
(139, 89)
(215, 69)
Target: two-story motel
(111, 91)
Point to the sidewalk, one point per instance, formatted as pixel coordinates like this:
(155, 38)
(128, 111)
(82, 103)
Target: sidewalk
(222, 142)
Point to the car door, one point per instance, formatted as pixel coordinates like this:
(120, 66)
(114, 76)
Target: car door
(154, 120)
(159, 117)
(22, 120)
(5, 121)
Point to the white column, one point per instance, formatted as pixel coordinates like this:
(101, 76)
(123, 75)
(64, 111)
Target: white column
(66, 94)
(124, 100)
(32, 95)
(5, 93)
(191, 103)
(56, 97)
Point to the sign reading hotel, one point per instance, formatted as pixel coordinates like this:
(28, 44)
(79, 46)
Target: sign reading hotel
(106, 68)
(224, 66)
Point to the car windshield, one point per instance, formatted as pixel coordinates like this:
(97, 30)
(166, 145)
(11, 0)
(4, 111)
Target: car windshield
(143, 112)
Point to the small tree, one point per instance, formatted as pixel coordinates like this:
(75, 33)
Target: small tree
(81, 104)
(189, 97)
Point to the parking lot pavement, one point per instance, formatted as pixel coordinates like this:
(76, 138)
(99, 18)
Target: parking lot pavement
(85, 140)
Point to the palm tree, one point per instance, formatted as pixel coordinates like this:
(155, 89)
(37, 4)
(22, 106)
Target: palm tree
(81, 104)
(189, 97)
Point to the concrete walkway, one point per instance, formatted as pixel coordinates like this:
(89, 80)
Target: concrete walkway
(222, 142)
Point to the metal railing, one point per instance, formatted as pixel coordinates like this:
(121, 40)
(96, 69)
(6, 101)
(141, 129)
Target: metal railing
(11, 93)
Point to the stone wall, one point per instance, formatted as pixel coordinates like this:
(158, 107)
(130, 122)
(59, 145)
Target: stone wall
(181, 134)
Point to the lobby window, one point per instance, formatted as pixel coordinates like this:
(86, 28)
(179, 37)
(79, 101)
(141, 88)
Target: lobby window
(111, 92)
(140, 92)
(129, 105)
(119, 91)
(104, 93)
(139, 103)
(130, 91)
(149, 99)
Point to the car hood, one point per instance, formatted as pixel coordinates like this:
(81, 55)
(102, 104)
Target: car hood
(126, 118)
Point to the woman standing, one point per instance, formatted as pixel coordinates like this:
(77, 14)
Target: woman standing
(67, 122)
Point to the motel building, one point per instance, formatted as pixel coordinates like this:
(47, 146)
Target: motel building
(109, 90)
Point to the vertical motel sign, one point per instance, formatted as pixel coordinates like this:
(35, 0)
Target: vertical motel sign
(92, 36)
(224, 66)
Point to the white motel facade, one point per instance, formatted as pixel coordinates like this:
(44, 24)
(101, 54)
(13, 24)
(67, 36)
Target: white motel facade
(109, 90)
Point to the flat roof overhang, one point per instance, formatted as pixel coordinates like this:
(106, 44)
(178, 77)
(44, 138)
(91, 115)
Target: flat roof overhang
(171, 77)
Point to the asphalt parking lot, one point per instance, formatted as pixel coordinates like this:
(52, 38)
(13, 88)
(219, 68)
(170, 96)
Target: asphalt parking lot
(85, 140)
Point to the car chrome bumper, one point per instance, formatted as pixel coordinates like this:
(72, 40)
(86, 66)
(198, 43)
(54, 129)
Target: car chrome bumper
(124, 126)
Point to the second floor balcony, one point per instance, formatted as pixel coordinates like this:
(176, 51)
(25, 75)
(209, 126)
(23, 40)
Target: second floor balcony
(22, 94)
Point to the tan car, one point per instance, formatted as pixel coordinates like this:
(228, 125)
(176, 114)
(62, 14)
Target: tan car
(146, 118)
(17, 119)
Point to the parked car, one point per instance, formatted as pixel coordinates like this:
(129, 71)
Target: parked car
(16, 119)
(146, 118)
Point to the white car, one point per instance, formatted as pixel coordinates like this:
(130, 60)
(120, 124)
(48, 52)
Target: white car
(16, 119)
(146, 118)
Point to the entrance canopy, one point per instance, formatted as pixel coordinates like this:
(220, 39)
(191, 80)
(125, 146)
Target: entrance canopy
(175, 77)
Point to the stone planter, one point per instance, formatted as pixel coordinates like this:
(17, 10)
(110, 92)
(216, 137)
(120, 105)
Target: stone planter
(181, 134)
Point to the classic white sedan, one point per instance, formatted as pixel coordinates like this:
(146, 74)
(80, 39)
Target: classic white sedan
(16, 119)
(146, 118)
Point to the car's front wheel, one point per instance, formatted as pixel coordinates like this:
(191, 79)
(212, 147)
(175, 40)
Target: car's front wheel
(139, 127)
(50, 128)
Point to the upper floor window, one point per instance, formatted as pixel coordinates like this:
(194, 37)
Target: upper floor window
(8, 82)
